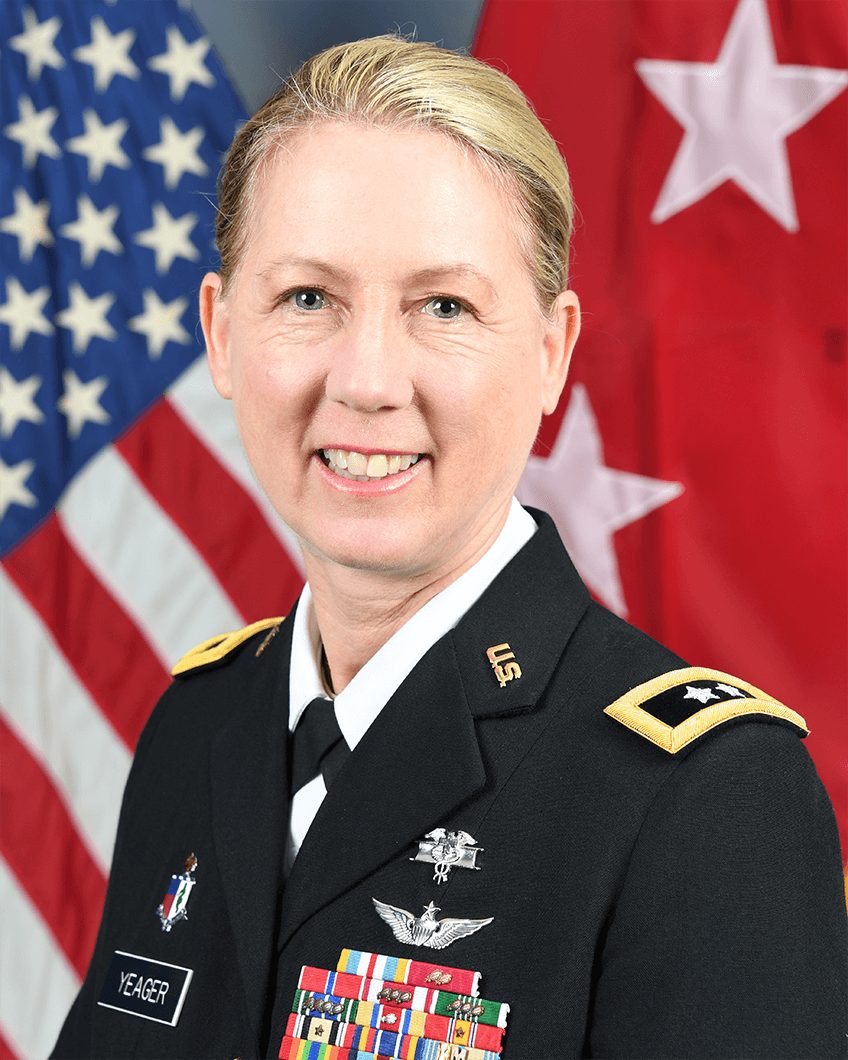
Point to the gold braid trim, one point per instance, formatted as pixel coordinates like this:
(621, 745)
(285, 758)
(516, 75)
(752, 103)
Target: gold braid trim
(217, 647)
(629, 712)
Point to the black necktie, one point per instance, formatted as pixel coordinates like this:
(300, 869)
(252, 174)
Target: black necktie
(316, 746)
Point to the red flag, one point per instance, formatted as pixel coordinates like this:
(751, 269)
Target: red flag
(707, 147)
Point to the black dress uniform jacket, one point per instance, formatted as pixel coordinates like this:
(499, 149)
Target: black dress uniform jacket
(645, 904)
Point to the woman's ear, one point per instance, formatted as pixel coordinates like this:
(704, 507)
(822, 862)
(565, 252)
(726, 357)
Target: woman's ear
(214, 319)
(560, 336)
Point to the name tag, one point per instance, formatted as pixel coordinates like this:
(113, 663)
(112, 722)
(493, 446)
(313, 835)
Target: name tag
(142, 987)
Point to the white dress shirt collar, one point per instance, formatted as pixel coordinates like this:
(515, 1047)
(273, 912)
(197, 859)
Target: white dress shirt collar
(365, 696)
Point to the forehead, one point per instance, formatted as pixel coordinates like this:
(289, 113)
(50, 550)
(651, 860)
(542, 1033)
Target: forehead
(384, 196)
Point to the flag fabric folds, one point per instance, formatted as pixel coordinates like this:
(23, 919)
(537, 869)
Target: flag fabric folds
(130, 527)
(697, 464)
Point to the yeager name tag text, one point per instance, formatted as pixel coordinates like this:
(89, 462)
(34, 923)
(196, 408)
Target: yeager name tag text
(142, 987)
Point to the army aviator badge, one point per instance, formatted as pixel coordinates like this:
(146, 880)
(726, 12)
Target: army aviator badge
(426, 930)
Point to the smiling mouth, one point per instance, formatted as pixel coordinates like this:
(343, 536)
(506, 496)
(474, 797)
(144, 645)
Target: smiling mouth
(360, 468)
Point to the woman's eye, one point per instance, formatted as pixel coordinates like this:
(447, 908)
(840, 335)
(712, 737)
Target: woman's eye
(443, 308)
(309, 298)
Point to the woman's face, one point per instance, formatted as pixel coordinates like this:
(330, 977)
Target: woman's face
(383, 308)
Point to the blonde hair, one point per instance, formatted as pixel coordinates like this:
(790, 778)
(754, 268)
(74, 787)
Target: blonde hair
(395, 83)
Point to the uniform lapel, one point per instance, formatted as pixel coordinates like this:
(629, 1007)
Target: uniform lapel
(528, 614)
(420, 760)
(417, 763)
(249, 812)
(415, 766)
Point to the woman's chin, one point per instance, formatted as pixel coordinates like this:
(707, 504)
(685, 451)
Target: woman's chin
(380, 553)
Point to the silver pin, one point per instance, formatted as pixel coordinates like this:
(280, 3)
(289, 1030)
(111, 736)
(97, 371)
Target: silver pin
(448, 850)
(426, 930)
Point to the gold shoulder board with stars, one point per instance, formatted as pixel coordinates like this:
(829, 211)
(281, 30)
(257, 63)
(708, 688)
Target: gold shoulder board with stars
(217, 647)
(678, 707)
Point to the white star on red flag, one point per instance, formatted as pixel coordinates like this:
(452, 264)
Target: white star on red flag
(737, 113)
(588, 500)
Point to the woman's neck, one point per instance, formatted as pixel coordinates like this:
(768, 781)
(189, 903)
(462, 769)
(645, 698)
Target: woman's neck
(356, 612)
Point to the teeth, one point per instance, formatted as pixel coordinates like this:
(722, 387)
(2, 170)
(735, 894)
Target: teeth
(352, 465)
(378, 466)
(356, 464)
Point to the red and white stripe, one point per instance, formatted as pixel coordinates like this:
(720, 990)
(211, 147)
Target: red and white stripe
(162, 541)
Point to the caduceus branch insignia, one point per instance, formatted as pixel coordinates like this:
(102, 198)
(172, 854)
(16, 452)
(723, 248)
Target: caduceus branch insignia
(447, 850)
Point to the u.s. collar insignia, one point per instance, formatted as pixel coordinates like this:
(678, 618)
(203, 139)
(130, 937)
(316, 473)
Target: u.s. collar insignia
(448, 850)
(426, 930)
(173, 907)
(504, 671)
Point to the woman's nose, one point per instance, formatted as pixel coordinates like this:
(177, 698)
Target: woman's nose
(371, 366)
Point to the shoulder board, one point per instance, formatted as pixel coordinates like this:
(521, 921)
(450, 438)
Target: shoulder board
(676, 708)
(217, 647)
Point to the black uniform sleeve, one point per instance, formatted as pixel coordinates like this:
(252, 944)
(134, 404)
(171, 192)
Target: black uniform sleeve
(75, 1041)
(729, 935)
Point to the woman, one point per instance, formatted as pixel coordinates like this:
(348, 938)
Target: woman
(637, 856)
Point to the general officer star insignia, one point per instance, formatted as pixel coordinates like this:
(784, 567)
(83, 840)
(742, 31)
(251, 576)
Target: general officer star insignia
(426, 930)
(663, 713)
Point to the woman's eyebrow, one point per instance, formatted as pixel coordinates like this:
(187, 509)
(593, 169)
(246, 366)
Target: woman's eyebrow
(432, 277)
(313, 264)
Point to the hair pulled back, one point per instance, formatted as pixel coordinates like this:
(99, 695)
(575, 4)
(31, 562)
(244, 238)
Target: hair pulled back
(395, 83)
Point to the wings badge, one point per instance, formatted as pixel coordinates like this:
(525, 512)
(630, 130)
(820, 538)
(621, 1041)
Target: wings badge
(427, 929)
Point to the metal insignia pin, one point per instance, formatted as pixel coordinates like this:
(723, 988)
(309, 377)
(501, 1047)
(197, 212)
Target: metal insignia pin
(439, 977)
(173, 907)
(426, 930)
(498, 655)
(448, 850)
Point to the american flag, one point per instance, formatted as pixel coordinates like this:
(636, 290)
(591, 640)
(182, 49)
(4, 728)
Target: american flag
(130, 526)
